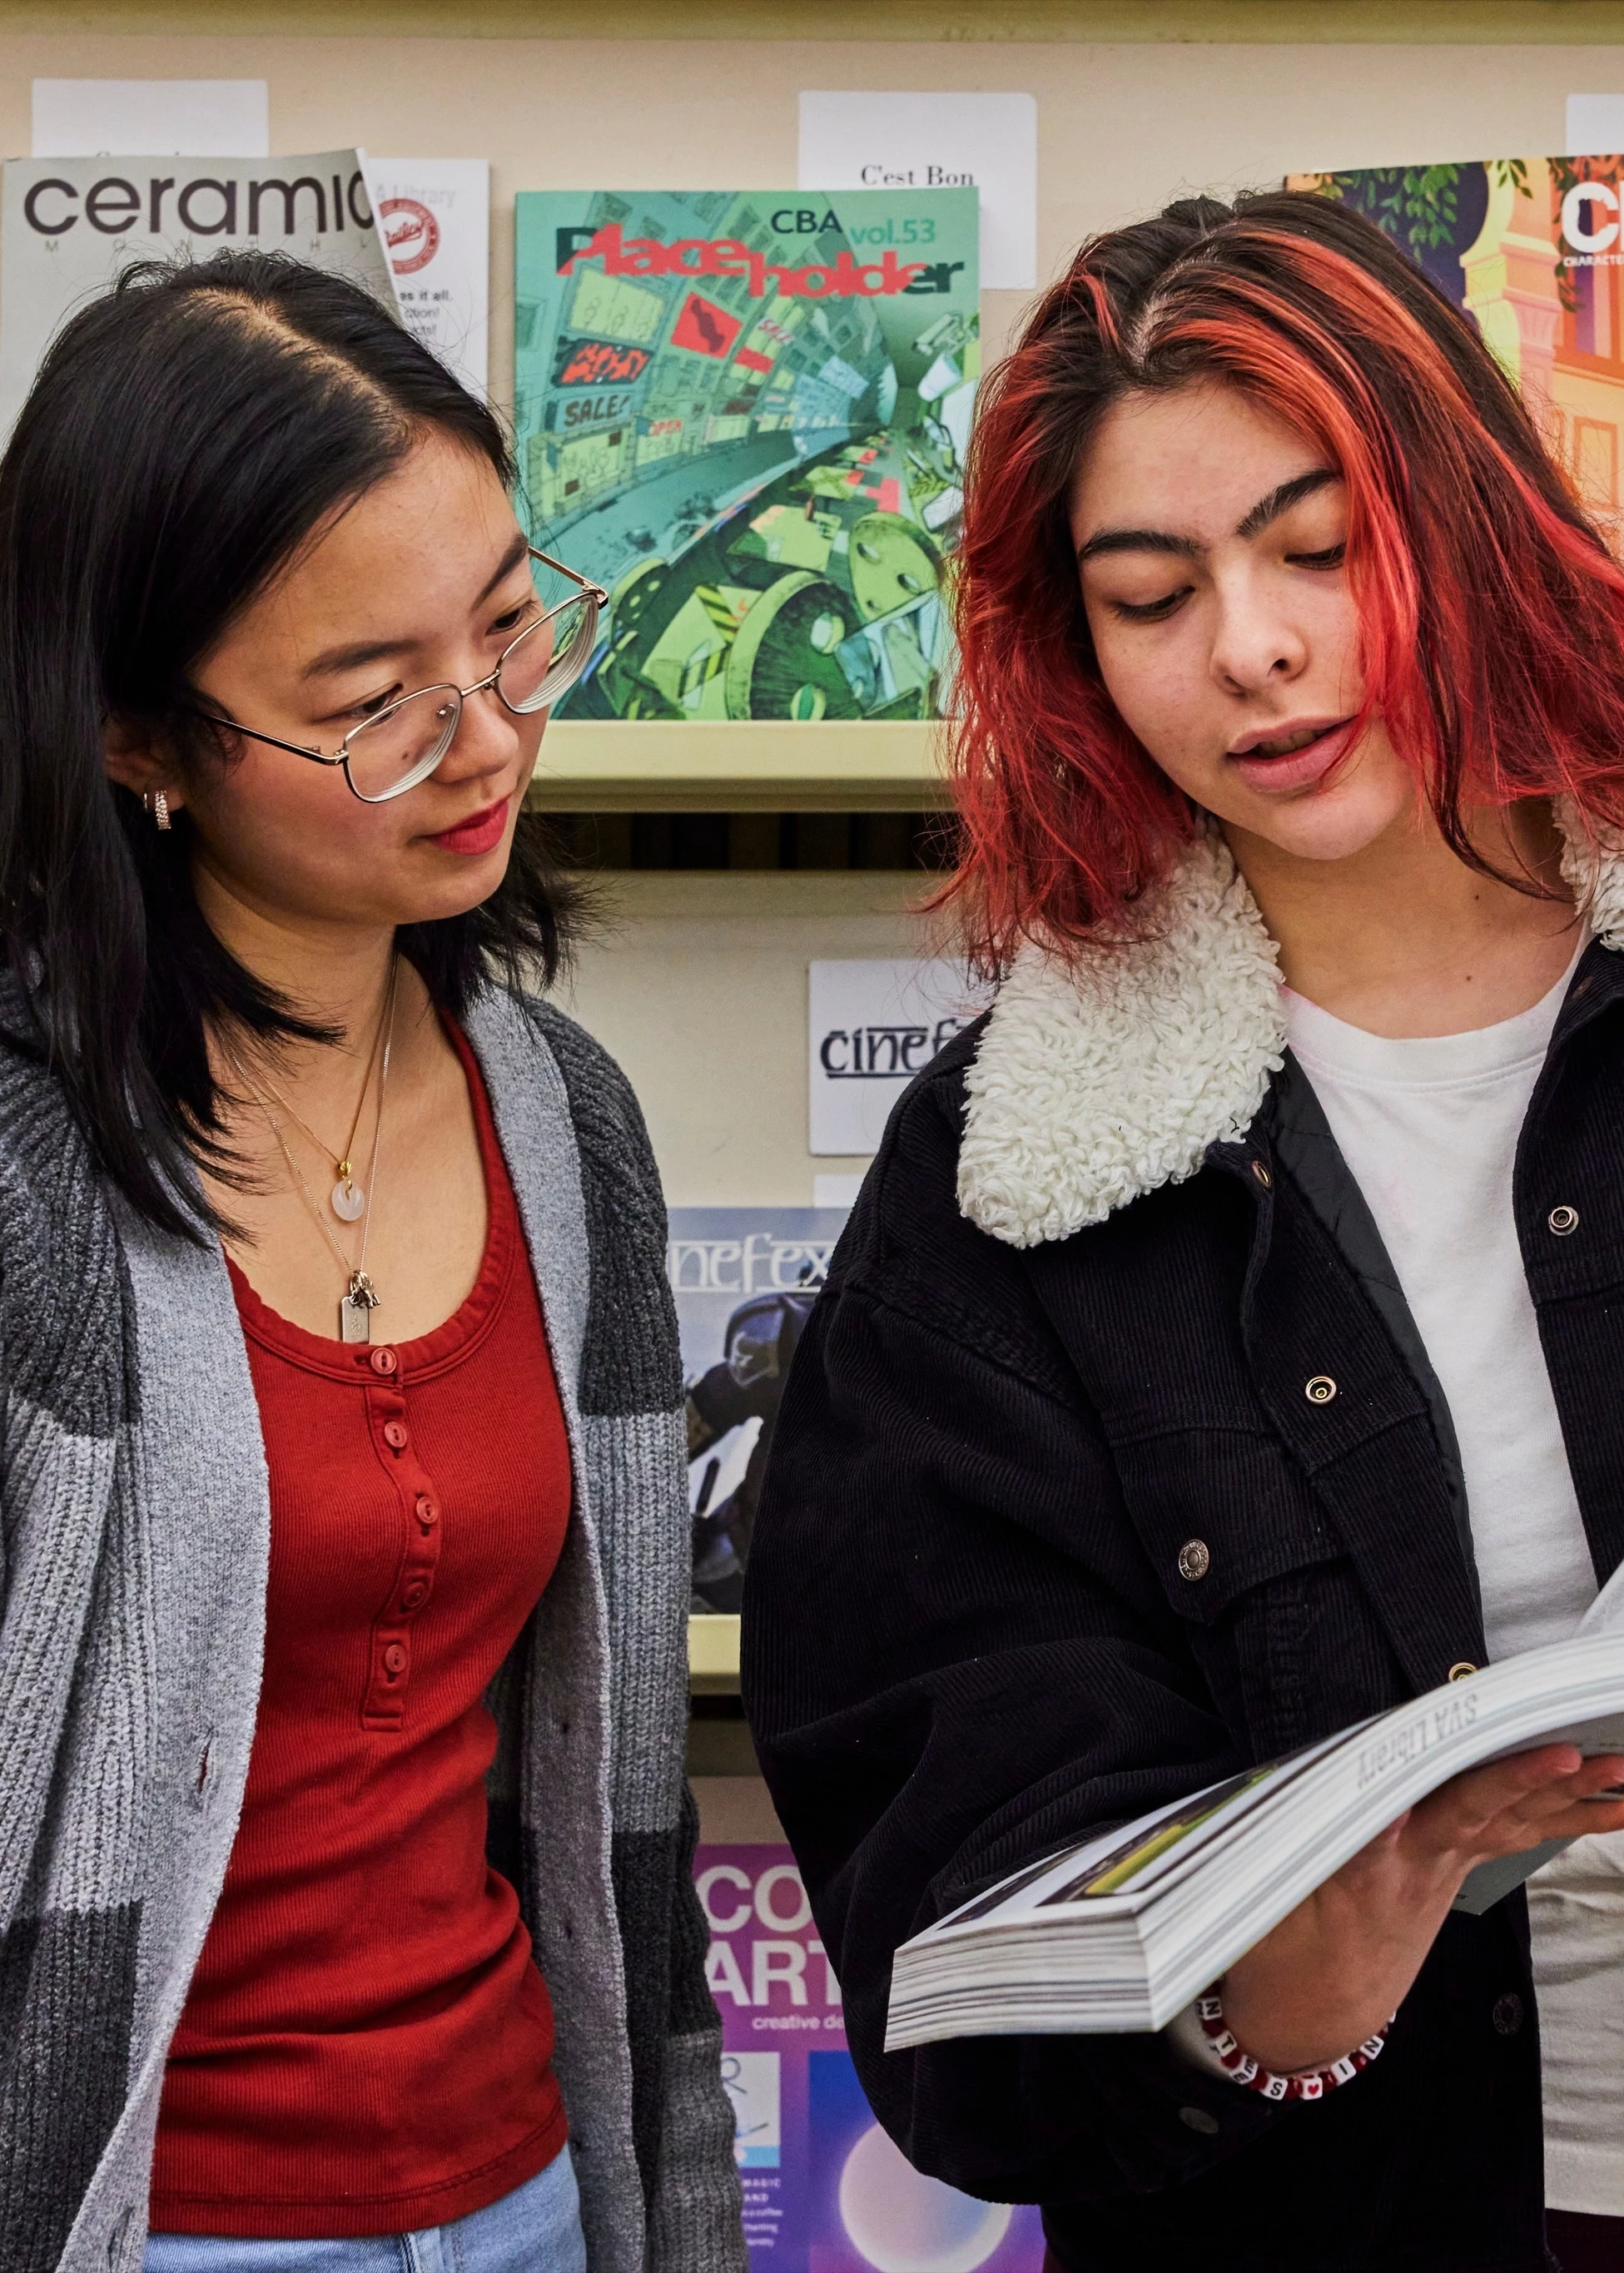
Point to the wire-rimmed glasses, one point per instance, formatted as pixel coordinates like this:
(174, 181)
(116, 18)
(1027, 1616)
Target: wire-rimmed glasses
(401, 743)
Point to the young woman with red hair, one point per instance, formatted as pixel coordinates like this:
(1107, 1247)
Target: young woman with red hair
(1226, 1344)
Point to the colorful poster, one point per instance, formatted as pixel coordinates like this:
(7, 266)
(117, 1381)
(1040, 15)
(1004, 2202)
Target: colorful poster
(825, 2191)
(1530, 249)
(744, 414)
(745, 1280)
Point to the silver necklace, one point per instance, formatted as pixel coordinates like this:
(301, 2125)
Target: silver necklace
(360, 1297)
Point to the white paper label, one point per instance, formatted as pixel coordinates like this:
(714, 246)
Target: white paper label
(872, 1026)
(838, 1189)
(435, 215)
(151, 117)
(1595, 125)
(751, 2082)
(989, 142)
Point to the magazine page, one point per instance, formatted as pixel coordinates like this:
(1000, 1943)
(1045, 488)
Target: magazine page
(744, 414)
(1119, 1934)
(744, 1280)
(1529, 249)
(1135, 1858)
(1147, 1854)
(1124, 1859)
(1491, 1882)
(68, 226)
(825, 2190)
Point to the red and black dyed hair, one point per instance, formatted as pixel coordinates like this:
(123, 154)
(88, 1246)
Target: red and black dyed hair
(1492, 614)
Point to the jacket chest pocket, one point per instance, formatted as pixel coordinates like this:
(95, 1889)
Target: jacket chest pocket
(1277, 1620)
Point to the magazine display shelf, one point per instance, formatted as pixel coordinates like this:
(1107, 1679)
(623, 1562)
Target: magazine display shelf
(771, 766)
(713, 1655)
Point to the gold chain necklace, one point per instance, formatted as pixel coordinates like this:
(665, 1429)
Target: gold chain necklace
(347, 1200)
(360, 1297)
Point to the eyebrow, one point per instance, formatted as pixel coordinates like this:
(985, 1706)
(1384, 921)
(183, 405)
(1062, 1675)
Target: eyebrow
(1284, 498)
(516, 551)
(332, 660)
(1161, 540)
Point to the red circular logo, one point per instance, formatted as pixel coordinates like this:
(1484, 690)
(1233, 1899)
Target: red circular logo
(411, 233)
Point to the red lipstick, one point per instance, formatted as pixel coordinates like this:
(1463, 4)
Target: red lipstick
(481, 832)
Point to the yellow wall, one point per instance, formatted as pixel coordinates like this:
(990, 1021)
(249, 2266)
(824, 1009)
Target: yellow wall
(990, 22)
(697, 983)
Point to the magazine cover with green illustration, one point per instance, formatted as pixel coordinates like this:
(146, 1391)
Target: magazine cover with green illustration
(1530, 248)
(744, 413)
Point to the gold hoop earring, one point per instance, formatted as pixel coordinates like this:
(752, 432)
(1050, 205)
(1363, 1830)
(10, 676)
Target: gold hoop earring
(158, 805)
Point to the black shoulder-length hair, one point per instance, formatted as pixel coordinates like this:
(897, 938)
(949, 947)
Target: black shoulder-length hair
(187, 432)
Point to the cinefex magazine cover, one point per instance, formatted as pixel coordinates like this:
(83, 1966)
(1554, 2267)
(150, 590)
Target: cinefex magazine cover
(1530, 248)
(745, 1280)
(825, 2189)
(744, 414)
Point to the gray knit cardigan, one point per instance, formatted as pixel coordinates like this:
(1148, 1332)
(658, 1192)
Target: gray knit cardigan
(135, 1527)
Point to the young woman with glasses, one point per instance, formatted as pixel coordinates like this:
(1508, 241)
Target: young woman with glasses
(1226, 1345)
(342, 1683)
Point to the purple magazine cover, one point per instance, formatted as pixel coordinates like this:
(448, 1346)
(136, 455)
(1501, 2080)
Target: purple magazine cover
(825, 2189)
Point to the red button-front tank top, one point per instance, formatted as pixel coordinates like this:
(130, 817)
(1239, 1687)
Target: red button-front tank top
(366, 2047)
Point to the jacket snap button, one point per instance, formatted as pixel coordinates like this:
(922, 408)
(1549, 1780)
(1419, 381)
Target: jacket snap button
(1266, 1180)
(1563, 1220)
(1462, 1670)
(1320, 1390)
(1508, 2014)
(1194, 1559)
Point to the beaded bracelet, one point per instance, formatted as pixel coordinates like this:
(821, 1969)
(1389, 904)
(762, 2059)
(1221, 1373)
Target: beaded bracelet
(1309, 2083)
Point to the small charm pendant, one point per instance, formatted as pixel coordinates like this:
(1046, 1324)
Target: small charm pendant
(354, 1312)
(349, 1201)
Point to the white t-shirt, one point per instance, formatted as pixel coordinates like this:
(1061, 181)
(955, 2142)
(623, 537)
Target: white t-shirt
(1428, 1130)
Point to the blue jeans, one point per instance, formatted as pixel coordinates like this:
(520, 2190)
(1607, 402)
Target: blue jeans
(536, 2229)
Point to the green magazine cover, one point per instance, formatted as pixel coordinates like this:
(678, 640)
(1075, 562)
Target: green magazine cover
(745, 413)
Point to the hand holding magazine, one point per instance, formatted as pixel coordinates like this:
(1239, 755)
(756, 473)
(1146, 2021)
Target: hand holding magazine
(1121, 1930)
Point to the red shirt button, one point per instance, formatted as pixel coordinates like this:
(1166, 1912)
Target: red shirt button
(428, 1512)
(384, 1361)
(396, 1435)
(395, 1658)
(416, 1592)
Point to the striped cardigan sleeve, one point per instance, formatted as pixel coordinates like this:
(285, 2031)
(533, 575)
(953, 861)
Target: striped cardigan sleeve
(631, 1410)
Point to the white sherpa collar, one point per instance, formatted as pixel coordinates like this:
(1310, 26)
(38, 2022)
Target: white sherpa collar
(1095, 1086)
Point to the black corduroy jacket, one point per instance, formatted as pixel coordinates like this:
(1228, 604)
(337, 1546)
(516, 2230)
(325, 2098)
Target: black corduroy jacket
(1107, 1243)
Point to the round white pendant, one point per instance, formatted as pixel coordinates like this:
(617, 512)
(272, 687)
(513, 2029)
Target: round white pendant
(349, 1202)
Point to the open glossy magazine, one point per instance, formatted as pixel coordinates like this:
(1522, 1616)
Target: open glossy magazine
(1121, 1930)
